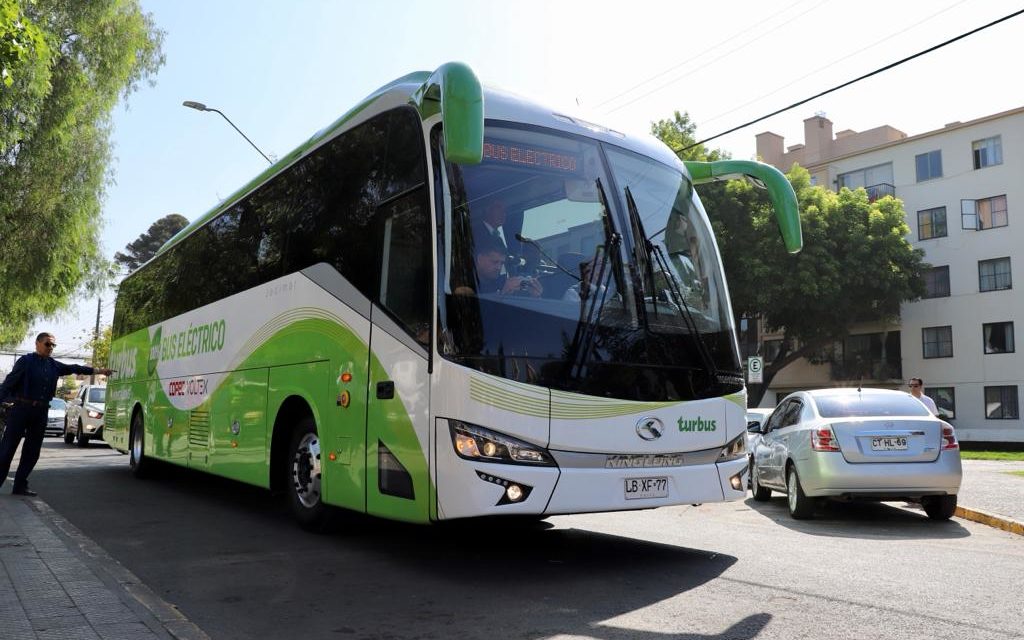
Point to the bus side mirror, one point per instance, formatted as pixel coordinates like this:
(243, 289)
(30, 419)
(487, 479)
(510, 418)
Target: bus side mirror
(454, 90)
(781, 193)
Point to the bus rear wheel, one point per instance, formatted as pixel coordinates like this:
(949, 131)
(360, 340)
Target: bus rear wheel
(137, 463)
(304, 470)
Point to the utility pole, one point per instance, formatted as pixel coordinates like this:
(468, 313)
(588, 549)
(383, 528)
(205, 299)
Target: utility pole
(95, 339)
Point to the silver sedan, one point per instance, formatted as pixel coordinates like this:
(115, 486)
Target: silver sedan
(874, 444)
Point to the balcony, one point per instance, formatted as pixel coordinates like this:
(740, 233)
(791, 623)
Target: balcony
(881, 190)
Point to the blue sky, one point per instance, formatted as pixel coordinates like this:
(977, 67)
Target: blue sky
(281, 71)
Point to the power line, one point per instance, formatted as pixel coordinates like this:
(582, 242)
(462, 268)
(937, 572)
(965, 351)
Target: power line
(724, 55)
(832, 63)
(863, 77)
(756, 24)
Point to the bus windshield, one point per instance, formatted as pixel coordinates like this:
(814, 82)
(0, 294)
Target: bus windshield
(543, 278)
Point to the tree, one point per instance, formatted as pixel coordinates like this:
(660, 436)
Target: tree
(54, 169)
(856, 265)
(139, 251)
(99, 348)
(24, 72)
(678, 134)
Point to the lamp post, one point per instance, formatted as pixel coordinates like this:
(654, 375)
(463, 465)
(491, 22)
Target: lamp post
(199, 106)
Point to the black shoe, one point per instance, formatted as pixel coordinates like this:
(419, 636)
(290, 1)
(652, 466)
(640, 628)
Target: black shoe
(23, 492)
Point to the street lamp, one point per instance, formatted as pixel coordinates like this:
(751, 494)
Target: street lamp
(199, 106)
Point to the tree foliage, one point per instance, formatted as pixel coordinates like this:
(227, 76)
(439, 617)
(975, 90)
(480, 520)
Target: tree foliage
(140, 250)
(99, 348)
(54, 160)
(678, 134)
(856, 266)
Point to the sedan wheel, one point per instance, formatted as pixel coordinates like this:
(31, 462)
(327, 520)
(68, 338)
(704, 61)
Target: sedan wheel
(83, 440)
(761, 493)
(800, 506)
(68, 436)
(939, 507)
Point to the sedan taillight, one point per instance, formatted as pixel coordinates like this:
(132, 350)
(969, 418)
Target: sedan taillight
(822, 439)
(949, 437)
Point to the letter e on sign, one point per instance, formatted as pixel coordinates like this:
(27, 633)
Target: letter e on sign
(755, 370)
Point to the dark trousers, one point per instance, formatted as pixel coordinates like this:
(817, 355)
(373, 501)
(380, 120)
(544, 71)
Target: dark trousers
(22, 422)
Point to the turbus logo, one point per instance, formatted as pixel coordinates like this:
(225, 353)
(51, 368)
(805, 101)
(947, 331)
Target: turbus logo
(700, 424)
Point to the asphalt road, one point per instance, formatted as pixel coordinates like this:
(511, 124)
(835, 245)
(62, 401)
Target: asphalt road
(230, 558)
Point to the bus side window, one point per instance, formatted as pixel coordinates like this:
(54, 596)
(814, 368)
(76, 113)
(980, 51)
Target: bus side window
(405, 269)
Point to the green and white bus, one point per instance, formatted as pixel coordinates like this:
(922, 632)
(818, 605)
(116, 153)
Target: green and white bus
(450, 303)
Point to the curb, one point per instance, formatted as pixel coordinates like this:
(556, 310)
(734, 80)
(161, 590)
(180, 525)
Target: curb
(167, 615)
(984, 517)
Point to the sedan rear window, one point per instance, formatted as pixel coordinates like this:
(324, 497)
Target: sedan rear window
(869, 405)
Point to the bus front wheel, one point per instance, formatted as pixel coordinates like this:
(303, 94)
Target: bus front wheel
(304, 479)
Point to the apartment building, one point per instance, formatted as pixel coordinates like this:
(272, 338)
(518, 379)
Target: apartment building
(962, 187)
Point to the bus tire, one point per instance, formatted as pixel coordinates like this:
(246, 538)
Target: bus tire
(303, 479)
(83, 440)
(138, 465)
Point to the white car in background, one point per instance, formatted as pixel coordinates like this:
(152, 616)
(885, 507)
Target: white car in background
(871, 444)
(84, 418)
(55, 417)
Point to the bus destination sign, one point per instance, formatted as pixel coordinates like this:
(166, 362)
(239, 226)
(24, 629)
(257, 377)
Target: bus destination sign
(530, 156)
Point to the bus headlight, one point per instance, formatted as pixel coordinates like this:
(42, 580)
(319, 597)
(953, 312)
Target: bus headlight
(476, 443)
(737, 448)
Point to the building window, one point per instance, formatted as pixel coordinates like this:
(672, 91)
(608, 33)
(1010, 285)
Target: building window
(871, 356)
(987, 152)
(945, 401)
(1001, 403)
(877, 180)
(931, 223)
(929, 165)
(938, 342)
(986, 213)
(994, 275)
(771, 350)
(936, 282)
(998, 337)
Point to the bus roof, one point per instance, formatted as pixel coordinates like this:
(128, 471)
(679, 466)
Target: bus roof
(498, 105)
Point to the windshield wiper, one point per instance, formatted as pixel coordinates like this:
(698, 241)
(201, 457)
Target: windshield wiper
(593, 303)
(652, 249)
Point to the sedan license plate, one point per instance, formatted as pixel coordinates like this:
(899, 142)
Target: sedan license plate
(889, 444)
(637, 488)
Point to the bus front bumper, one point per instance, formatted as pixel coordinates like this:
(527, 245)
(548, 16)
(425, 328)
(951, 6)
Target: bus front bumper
(583, 483)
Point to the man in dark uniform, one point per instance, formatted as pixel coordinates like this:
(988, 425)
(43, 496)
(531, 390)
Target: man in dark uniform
(27, 392)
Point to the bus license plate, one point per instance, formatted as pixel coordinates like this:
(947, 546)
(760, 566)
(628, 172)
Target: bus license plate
(889, 444)
(637, 488)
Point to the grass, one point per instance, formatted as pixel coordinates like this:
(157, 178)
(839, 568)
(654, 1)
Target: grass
(1016, 473)
(1016, 456)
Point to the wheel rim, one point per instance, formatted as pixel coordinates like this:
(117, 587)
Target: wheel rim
(791, 490)
(306, 471)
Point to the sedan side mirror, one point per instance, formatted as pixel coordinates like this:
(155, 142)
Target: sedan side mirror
(754, 426)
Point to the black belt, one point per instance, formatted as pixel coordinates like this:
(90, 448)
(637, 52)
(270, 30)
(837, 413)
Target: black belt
(29, 402)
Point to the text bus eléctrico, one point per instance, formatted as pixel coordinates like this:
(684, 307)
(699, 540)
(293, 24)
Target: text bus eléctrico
(333, 330)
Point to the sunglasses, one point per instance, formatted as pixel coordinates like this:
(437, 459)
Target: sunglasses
(50, 344)
(913, 386)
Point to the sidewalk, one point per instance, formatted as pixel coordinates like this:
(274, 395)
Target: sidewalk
(991, 494)
(56, 583)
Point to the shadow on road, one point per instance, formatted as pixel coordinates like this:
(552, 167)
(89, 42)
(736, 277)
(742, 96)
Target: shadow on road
(877, 520)
(230, 557)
